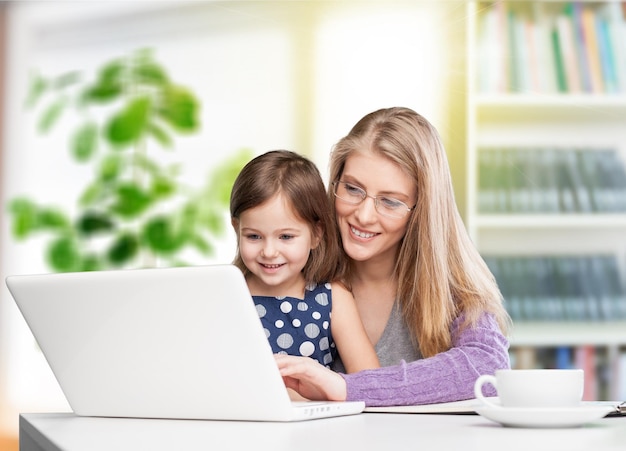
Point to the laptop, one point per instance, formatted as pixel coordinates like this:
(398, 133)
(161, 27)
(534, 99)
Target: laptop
(181, 342)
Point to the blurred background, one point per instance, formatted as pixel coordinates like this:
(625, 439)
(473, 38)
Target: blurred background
(123, 125)
(243, 77)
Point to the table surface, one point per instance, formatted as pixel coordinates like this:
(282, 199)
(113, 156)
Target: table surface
(367, 431)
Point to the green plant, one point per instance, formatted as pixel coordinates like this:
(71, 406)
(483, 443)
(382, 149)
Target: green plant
(135, 211)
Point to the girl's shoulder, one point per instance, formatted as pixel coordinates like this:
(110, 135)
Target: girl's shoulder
(319, 286)
(316, 288)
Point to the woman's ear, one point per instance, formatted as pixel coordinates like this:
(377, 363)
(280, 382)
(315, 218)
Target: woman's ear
(235, 224)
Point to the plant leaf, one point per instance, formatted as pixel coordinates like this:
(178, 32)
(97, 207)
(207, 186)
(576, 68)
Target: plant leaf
(160, 236)
(51, 218)
(123, 249)
(160, 135)
(65, 80)
(148, 72)
(129, 124)
(51, 115)
(201, 245)
(38, 86)
(85, 142)
(221, 178)
(93, 222)
(25, 217)
(162, 187)
(108, 86)
(94, 192)
(131, 200)
(90, 262)
(180, 109)
(110, 168)
(63, 254)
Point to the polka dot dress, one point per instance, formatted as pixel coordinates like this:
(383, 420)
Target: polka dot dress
(299, 326)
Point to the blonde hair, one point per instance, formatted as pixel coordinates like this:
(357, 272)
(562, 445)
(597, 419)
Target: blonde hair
(300, 182)
(440, 273)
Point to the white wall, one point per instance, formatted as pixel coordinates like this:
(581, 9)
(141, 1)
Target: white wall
(241, 59)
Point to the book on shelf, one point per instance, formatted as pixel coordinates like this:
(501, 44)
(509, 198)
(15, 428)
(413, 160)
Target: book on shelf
(550, 180)
(585, 358)
(566, 53)
(563, 358)
(564, 182)
(605, 370)
(545, 67)
(606, 51)
(559, 61)
(621, 370)
(582, 41)
(560, 288)
(609, 188)
(615, 12)
(591, 47)
(575, 10)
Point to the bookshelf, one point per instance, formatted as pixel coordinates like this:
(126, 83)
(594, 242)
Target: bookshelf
(546, 178)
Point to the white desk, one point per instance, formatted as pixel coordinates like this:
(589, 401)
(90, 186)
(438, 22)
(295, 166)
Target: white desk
(368, 431)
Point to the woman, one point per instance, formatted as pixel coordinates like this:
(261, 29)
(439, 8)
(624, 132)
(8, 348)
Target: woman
(427, 299)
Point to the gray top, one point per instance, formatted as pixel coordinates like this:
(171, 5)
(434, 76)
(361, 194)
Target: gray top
(394, 344)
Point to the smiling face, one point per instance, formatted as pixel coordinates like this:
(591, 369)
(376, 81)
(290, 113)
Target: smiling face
(274, 245)
(367, 235)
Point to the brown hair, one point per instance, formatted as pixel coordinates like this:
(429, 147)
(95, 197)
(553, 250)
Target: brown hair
(440, 273)
(300, 182)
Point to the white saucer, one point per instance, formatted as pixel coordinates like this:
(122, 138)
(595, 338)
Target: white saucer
(546, 417)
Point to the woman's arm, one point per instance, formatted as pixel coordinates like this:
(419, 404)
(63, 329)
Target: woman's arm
(353, 344)
(448, 376)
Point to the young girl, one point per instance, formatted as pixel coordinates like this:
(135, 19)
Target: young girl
(289, 253)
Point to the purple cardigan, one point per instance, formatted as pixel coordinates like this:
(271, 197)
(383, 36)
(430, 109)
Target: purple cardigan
(447, 376)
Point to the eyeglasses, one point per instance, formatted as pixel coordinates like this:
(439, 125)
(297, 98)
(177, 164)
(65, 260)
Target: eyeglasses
(386, 206)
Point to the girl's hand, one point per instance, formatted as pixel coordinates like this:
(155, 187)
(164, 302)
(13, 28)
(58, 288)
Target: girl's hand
(311, 379)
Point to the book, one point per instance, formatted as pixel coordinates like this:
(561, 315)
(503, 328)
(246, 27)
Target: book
(549, 181)
(496, 41)
(614, 287)
(559, 62)
(585, 358)
(606, 192)
(567, 42)
(487, 177)
(574, 10)
(468, 407)
(598, 280)
(516, 44)
(567, 199)
(580, 191)
(617, 181)
(543, 47)
(621, 369)
(617, 33)
(589, 176)
(592, 49)
(606, 54)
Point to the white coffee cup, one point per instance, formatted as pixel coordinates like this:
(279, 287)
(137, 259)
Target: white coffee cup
(536, 388)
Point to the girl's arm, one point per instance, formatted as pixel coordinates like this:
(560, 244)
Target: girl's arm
(353, 344)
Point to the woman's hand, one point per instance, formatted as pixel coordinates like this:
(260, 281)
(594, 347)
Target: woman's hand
(311, 379)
